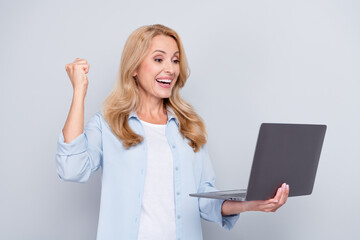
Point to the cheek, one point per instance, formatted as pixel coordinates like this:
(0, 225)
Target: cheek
(148, 69)
(151, 68)
(147, 74)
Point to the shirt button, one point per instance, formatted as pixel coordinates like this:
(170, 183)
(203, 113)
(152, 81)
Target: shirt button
(135, 219)
(178, 217)
(176, 168)
(178, 193)
(142, 171)
(173, 146)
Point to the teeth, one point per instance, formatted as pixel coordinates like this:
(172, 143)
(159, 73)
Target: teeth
(164, 80)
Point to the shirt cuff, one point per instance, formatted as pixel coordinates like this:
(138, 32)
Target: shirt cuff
(227, 221)
(76, 146)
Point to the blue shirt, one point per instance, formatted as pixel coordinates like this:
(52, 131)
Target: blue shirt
(123, 176)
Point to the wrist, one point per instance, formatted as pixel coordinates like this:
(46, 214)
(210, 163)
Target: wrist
(233, 207)
(79, 93)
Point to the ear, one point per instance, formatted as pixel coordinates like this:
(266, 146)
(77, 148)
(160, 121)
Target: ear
(134, 74)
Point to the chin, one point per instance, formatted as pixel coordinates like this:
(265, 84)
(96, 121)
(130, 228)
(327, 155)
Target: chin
(164, 95)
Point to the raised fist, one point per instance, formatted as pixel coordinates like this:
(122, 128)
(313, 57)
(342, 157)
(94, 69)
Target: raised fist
(77, 71)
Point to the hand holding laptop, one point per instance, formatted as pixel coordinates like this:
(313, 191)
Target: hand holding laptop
(271, 205)
(284, 154)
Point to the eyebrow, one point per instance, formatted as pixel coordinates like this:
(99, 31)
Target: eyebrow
(164, 51)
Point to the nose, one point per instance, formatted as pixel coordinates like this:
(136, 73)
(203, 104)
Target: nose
(169, 67)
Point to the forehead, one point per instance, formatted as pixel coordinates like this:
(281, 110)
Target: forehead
(164, 43)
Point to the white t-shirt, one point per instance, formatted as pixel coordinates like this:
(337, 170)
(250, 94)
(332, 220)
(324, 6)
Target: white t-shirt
(157, 217)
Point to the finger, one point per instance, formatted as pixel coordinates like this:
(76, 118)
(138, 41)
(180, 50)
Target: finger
(86, 68)
(278, 197)
(278, 193)
(77, 60)
(283, 198)
(284, 194)
(77, 65)
(82, 66)
(81, 62)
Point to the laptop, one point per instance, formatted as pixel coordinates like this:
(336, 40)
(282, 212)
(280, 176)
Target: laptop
(284, 153)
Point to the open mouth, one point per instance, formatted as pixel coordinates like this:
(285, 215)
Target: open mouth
(164, 81)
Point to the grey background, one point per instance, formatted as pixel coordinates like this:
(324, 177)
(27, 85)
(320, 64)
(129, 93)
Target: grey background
(251, 62)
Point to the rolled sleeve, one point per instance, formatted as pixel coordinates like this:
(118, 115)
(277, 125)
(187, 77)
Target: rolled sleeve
(77, 160)
(76, 146)
(228, 221)
(210, 209)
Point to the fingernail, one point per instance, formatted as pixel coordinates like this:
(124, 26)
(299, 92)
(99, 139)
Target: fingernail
(287, 186)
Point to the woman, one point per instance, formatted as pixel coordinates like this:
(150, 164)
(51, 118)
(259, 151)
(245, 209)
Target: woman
(150, 144)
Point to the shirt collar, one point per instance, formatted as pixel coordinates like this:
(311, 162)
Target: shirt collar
(170, 115)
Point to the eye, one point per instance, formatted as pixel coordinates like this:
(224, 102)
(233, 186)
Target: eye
(158, 60)
(176, 61)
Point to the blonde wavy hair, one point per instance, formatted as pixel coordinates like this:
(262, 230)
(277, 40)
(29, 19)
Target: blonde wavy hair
(125, 96)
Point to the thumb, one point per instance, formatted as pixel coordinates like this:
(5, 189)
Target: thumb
(86, 68)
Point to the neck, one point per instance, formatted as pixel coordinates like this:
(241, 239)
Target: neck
(152, 110)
